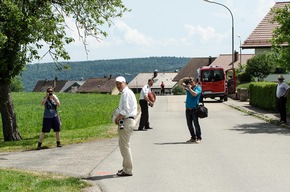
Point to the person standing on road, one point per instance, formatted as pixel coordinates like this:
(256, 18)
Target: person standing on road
(50, 117)
(193, 92)
(281, 94)
(144, 101)
(162, 88)
(126, 122)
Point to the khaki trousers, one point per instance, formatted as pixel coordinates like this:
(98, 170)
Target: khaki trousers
(124, 144)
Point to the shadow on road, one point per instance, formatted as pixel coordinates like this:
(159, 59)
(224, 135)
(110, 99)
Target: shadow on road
(101, 177)
(256, 128)
(174, 143)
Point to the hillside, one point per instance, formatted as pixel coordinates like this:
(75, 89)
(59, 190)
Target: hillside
(83, 70)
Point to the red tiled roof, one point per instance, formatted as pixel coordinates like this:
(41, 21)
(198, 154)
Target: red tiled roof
(262, 34)
(225, 60)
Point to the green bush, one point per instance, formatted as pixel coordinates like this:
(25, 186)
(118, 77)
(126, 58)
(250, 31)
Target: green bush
(263, 95)
(244, 77)
(177, 90)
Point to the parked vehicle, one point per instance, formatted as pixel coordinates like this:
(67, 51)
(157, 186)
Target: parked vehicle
(216, 82)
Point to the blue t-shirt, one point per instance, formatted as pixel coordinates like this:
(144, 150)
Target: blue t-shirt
(193, 101)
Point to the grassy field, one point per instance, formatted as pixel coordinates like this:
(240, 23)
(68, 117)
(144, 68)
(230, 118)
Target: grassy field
(85, 117)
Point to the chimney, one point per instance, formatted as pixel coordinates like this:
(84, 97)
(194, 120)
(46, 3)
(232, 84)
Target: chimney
(209, 60)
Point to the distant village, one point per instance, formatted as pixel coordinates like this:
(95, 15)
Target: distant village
(259, 40)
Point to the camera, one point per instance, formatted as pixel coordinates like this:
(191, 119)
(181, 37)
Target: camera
(121, 124)
(50, 94)
(187, 81)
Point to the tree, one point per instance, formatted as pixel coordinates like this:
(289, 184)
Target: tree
(26, 26)
(261, 65)
(281, 35)
(16, 84)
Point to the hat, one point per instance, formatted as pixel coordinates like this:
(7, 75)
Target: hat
(121, 79)
(280, 77)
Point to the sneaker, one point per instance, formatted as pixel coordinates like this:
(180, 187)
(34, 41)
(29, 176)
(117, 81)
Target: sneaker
(58, 144)
(122, 174)
(191, 140)
(198, 141)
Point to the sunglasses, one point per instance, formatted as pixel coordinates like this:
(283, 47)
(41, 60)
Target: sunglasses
(49, 91)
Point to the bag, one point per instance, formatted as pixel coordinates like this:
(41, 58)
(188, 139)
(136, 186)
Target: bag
(201, 111)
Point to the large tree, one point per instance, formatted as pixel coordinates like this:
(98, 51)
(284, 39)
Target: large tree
(28, 25)
(281, 36)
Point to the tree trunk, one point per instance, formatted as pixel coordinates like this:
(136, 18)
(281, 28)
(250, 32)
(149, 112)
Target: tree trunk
(9, 124)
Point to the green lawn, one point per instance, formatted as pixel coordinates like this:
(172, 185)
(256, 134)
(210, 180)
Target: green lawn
(85, 117)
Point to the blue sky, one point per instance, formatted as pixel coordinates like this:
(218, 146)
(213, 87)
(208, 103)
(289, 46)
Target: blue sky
(184, 28)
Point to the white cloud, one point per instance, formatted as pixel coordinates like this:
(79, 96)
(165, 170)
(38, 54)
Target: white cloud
(205, 34)
(133, 36)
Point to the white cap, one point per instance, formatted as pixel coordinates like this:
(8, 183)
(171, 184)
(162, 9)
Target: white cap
(121, 79)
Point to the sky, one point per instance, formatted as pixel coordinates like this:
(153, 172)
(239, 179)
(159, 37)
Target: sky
(184, 28)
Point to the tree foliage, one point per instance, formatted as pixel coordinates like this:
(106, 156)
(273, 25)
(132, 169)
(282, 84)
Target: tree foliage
(27, 25)
(261, 65)
(281, 35)
(16, 84)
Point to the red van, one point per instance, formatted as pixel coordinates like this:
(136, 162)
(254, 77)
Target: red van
(216, 82)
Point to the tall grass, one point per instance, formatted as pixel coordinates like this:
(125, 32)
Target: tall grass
(85, 117)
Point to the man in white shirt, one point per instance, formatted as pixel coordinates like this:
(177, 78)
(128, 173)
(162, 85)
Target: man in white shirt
(126, 122)
(281, 94)
(144, 101)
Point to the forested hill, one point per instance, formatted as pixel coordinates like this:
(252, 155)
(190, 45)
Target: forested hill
(82, 70)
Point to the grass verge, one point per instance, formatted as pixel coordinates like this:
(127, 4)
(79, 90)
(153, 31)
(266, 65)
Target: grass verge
(22, 181)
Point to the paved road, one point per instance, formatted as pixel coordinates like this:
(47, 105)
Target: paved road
(238, 153)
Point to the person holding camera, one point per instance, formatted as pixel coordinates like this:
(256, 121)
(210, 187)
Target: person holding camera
(50, 117)
(144, 101)
(126, 122)
(193, 93)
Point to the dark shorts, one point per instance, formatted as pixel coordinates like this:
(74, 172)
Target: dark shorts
(49, 123)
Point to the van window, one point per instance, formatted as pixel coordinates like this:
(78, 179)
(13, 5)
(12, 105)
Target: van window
(212, 75)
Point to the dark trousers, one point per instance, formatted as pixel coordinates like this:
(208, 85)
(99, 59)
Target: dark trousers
(282, 108)
(191, 117)
(144, 120)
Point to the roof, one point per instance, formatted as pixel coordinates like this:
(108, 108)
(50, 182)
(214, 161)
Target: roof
(69, 84)
(224, 60)
(142, 79)
(189, 70)
(262, 34)
(42, 85)
(101, 85)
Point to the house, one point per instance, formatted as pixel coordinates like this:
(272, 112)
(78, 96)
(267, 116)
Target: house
(260, 38)
(99, 85)
(142, 79)
(58, 85)
(189, 70)
(224, 60)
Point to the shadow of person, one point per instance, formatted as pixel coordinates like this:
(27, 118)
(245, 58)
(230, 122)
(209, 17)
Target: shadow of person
(101, 177)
